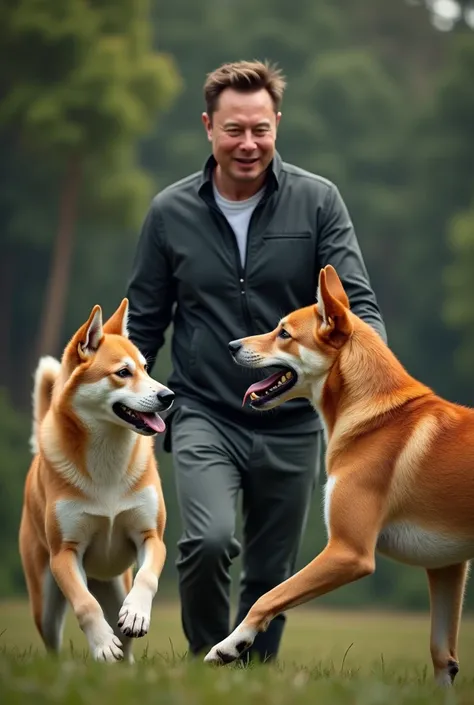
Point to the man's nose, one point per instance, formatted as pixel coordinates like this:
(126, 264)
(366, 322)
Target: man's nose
(249, 141)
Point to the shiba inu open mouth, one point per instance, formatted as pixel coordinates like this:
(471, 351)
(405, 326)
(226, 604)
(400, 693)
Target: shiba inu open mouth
(271, 387)
(145, 423)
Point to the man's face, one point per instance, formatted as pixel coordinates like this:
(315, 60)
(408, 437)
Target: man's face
(243, 133)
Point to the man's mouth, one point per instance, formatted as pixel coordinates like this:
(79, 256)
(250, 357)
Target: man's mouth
(271, 387)
(146, 423)
(245, 161)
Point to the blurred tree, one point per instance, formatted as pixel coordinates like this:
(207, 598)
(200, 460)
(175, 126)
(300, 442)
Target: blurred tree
(15, 457)
(442, 193)
(80, 84)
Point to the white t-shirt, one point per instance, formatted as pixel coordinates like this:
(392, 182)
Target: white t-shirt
(238, 214)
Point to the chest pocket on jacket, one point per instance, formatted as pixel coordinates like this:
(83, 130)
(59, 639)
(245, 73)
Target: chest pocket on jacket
(287, 235)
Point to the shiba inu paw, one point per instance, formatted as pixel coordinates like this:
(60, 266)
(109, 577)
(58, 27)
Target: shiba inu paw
(109, 651)
(103, 644)
(232, 646)
(134, 617)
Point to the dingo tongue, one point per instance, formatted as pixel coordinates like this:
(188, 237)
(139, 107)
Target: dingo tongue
(262, 385)
(154, 421)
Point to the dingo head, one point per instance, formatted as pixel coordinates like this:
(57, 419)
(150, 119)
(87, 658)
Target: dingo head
(106, 380)
(304, 346)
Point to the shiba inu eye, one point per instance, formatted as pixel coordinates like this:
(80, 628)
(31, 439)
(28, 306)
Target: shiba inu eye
(284, 334)
(124, 372)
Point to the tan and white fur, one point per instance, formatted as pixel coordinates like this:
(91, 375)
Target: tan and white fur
(399, 463)
(93, 504)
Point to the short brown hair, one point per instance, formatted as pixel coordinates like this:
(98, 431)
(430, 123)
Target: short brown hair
(244, 76)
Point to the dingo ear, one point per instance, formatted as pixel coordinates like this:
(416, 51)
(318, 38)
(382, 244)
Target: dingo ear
(332, 307)
(89, 337)
(118, 321)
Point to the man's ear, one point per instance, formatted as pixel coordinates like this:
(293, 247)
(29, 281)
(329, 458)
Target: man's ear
(334, 324)
(118, 321)
(89, 337)
(207, 122)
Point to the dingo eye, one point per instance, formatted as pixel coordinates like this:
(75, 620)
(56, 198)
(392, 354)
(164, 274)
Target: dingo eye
(284, 334)
(124, 372)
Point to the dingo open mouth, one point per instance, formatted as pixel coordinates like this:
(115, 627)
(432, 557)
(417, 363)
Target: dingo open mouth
(271, 387)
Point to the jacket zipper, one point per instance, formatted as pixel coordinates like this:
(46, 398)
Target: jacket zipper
(240, 270)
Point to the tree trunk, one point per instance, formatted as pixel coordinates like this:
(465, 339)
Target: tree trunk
(57, 285)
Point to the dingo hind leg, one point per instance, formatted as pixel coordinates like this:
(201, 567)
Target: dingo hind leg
(446, 596)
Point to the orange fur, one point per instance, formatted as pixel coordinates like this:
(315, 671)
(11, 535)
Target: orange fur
(93, 502)
(399, 464)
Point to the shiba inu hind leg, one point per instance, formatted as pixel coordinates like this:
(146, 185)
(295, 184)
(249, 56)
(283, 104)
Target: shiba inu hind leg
(47, 602)
(53, 614)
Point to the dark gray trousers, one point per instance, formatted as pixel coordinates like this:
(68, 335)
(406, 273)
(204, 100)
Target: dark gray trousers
(214, 460)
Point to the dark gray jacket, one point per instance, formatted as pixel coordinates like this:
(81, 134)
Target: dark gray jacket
(187, 269)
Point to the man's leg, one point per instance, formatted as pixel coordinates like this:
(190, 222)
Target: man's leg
(207, 481)
(278, 488)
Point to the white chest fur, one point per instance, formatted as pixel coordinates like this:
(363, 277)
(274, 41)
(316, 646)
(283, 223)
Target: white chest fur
(106, 528)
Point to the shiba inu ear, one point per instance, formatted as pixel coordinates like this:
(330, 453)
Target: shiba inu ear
(90, 335)
(118, 321)
(332, 307)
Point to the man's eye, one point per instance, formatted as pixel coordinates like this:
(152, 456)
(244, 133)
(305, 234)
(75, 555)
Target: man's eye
(124, 372)
(284, 334)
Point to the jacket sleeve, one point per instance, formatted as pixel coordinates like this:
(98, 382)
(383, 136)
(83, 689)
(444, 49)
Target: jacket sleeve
(338, 245)
(151, 288)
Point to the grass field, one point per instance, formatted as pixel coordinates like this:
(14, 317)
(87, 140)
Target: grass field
(328, 657)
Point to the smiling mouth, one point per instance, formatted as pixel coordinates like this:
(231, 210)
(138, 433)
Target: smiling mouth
(270, 388)
(146, 423)
(246, 162)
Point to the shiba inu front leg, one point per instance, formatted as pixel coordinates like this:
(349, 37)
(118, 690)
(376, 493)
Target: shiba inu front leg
(446, 596)
(111, 594)
(135, 615)
(67, 571)
(348, 556)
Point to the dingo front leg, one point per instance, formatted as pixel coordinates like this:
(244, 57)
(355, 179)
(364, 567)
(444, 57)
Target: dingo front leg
(348, 556)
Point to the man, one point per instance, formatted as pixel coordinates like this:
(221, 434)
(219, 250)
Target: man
(226, 252)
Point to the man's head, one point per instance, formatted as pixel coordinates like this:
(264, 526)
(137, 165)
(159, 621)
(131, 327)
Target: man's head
(242, 114)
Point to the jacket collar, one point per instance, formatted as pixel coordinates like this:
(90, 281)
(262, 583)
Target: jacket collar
(273, 177)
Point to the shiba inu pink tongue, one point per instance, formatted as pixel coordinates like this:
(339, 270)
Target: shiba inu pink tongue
(261, 386)
(154, 421)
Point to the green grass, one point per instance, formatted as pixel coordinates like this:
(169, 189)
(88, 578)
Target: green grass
(333, 657)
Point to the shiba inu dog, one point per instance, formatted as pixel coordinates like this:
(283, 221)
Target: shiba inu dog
(93, 503)
(399, 463)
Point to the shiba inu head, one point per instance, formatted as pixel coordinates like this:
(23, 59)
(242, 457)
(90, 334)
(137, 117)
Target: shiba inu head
(303, 347)
(105, 379)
